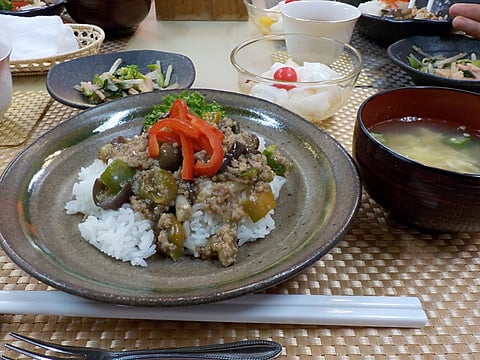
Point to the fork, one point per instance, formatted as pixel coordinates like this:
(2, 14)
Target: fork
(240, 350)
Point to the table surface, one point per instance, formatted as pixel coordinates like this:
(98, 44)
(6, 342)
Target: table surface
(378, 256)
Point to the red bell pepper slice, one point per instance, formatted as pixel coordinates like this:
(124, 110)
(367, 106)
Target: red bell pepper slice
(188, 159)
(153, 147)
(179, 110)
(175, 125)
(215, 138)
(193, 134)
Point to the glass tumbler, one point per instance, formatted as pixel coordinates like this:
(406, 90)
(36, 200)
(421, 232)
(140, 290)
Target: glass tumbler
(5, 78)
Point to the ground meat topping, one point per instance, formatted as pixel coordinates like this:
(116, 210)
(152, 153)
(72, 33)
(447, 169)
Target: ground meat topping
(132, 151)
(223, 244)
(164, 246)
(170, 202)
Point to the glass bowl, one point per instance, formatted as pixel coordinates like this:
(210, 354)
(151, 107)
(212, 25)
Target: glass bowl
(265, 14)
(326, 70)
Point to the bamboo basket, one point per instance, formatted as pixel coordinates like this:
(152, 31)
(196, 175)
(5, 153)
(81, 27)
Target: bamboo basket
(89, 37)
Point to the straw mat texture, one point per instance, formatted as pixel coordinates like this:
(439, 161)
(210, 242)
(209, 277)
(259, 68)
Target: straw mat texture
(378, 256)
(24, 112)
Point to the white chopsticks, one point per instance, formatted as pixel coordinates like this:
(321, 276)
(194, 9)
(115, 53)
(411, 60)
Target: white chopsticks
(368, 311)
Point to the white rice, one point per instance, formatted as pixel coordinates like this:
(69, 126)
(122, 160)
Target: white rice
(127, 236)
(122, 234)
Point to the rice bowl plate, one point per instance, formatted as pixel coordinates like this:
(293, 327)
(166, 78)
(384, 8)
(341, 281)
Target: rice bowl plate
(42, 239)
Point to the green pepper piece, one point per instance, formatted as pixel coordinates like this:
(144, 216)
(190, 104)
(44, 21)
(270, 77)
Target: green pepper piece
(258, 204)
(272, 161)
(159, 186)
(116, 175)
(176, 236)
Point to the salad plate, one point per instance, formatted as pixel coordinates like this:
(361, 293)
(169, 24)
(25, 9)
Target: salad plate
(64, 77)
(445, 46)
(314, 211)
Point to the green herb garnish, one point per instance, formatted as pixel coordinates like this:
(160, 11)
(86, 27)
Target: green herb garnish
(195, 101)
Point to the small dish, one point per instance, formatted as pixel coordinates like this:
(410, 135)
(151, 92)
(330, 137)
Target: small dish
(55, 8)
(385, 31)
(62, 78)
(319, 203)
(448, 45)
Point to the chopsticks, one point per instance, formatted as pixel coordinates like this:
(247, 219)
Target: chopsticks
(368, 311)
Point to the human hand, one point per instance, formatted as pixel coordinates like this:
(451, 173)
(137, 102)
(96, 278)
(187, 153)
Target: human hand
(466, 18)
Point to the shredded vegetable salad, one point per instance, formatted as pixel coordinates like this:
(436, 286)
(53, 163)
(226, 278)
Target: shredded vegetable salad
(461, 66)
(126, 80)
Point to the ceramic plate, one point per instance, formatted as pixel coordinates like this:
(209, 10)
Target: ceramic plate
(314, 211)
(62, 78)
(56, 8)
(385, 31)
(447, 46)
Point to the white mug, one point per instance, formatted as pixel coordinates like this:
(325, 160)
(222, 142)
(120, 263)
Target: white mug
(330, 19)
(5, 77)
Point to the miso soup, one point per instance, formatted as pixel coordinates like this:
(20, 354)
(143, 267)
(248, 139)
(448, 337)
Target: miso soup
(432, 142)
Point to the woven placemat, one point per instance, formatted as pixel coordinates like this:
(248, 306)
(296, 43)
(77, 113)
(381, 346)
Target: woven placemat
(380, 71)
(115, 44)
(378, 256)
(24, 112)
(53, 114)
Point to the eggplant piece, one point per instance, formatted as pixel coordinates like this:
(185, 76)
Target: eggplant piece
(234, 152)
(105, 199)
(170, 157)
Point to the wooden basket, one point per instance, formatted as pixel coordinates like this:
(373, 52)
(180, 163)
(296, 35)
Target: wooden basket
(89, 37)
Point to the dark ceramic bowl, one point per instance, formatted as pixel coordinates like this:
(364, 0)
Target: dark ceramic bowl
(447, 45)
(115, 17)
(420, 195)
(56, 8)
(385, 31)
